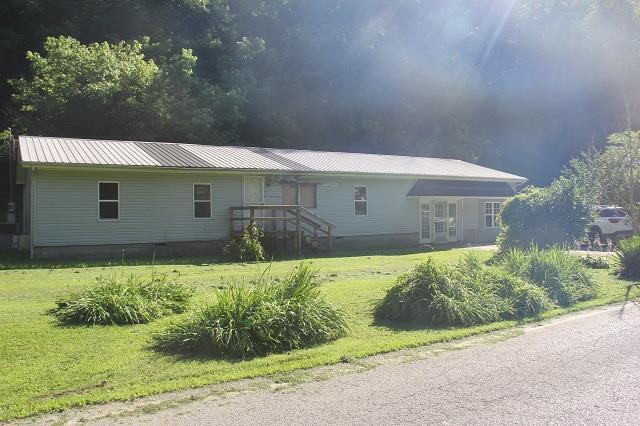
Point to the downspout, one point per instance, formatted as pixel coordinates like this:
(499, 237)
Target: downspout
(33, 211)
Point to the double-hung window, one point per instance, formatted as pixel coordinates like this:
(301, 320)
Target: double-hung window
(108, 200)
(202, 200)
(360, 200)
(492, 214)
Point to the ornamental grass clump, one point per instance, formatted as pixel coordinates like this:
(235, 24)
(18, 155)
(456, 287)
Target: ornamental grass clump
(595, 262)
(433, 294)
(564, 276)
(522, 298)
(267, 316)
(468, 293)
(627, 258)
(123, 299)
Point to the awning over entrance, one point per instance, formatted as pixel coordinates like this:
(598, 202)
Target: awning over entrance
(460, 188)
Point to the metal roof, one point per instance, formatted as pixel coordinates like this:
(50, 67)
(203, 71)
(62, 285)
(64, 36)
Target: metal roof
(460, 188)
(36, 150)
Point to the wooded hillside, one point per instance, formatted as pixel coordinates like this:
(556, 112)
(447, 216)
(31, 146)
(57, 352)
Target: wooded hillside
(519, 85)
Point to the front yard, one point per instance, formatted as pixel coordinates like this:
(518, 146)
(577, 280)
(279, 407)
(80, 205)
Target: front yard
(46, 366)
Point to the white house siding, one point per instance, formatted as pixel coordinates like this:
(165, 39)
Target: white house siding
(155, 207)
(272, 192)
(389, 211)
(473, 221)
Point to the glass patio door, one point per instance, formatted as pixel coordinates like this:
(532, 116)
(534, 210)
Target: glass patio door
(425, 222)
(440, 222)
(452, 222)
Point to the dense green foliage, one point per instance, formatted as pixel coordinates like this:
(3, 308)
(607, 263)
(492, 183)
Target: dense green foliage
(269, 316)
(123, 299)
(439, 78)
(545, 217)
(517, 284)
(247, 247)
(611, 176)
(521, 298)
(563, 275)
(627, 258)
(77, 89)
(466, 293)
(435, 294)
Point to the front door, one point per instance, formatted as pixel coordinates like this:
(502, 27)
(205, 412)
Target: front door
(425, 222)
(440, 221)
(452, 221)
(253, 190)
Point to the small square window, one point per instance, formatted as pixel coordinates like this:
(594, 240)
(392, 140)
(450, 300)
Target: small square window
(108, 210)
(202, 192)
(108, 191)
(202, 210)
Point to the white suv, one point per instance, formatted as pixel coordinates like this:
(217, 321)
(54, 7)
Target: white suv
(611, 222)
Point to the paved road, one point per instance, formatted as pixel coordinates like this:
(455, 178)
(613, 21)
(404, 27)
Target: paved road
(583, 368)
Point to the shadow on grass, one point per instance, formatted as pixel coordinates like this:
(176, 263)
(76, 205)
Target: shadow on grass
(21, 260)
(393, 325)
(204, 355)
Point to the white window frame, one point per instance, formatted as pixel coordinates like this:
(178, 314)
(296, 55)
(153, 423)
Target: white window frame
(194, 201)
(108, 201)
(366, 200)
(494, 216)
(262, 188)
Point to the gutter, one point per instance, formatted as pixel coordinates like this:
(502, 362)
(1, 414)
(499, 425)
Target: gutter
(518, 180)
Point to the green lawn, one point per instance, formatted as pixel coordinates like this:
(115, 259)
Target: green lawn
(47, 367)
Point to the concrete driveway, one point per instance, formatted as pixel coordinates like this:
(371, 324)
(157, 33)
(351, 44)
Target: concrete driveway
(580, 368)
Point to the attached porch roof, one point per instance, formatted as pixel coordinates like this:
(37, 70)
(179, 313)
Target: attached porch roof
(460, 188)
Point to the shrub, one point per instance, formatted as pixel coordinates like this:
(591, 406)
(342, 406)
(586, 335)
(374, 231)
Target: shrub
(439, 295)
(247, 247)
(468, 293)
(595, 262)
(522, 298)
(123, 300)
(627, 258)
(564, 276)
(272, 316)
(544, 217)
(519, 298)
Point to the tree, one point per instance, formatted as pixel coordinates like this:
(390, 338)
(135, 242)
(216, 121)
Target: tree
(611, 176)
(623, 152)
(114, 91)
(545, 217)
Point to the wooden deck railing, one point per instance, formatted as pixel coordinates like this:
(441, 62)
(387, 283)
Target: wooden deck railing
(282, 221)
